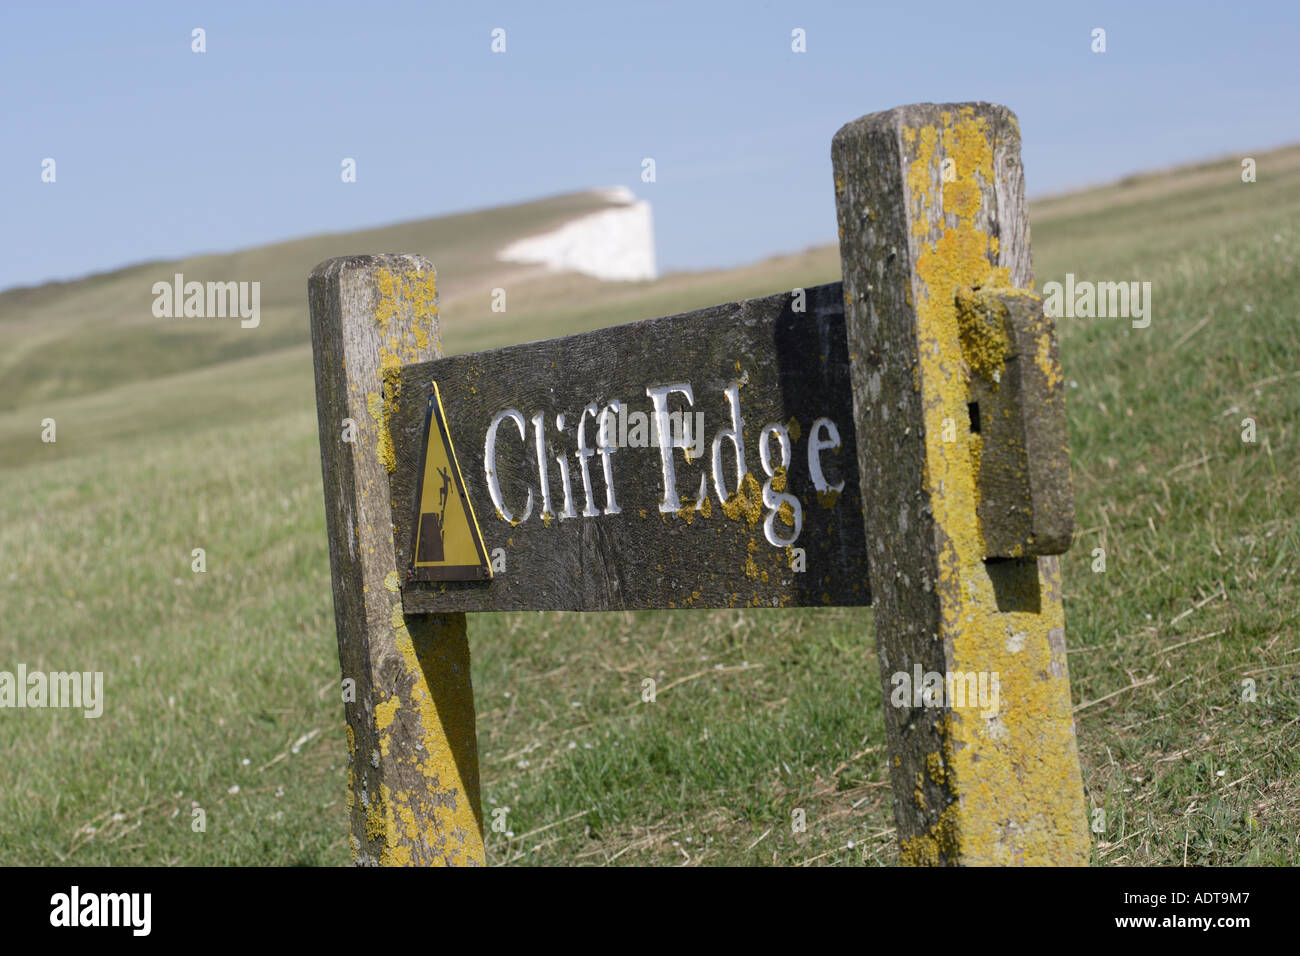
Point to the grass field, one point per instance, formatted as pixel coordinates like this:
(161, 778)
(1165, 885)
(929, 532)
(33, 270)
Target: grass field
(221, 687)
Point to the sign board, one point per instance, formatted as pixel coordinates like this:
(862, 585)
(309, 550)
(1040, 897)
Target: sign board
(692, 461)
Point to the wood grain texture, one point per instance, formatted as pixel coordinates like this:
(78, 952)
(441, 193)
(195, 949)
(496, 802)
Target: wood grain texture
(792, 370)
(412, 752)
(930, 202)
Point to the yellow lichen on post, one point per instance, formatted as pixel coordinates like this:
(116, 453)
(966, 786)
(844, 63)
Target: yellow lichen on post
(417, 292)
(443, 814)
(934, 247)
(1014, 775)
(413, 791)
(984, 342)
(380, 411)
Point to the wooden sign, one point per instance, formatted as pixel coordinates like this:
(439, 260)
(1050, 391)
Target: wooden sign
(693, 461)
(899, 440)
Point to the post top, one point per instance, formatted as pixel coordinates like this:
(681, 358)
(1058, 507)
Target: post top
(332, 268)
(917, 114)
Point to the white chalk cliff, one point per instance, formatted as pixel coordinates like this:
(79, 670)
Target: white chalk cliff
(616, 243)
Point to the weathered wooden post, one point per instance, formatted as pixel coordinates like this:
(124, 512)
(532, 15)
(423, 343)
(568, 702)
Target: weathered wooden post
(412, 751)
(946, 347)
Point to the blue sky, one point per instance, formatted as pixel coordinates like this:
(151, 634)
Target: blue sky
(162, 152)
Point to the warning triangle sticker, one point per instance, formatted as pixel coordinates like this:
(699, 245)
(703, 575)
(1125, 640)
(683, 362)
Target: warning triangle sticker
(448, 545)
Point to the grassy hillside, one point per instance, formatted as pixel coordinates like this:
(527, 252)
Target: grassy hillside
(221, 686)
(66, 339)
